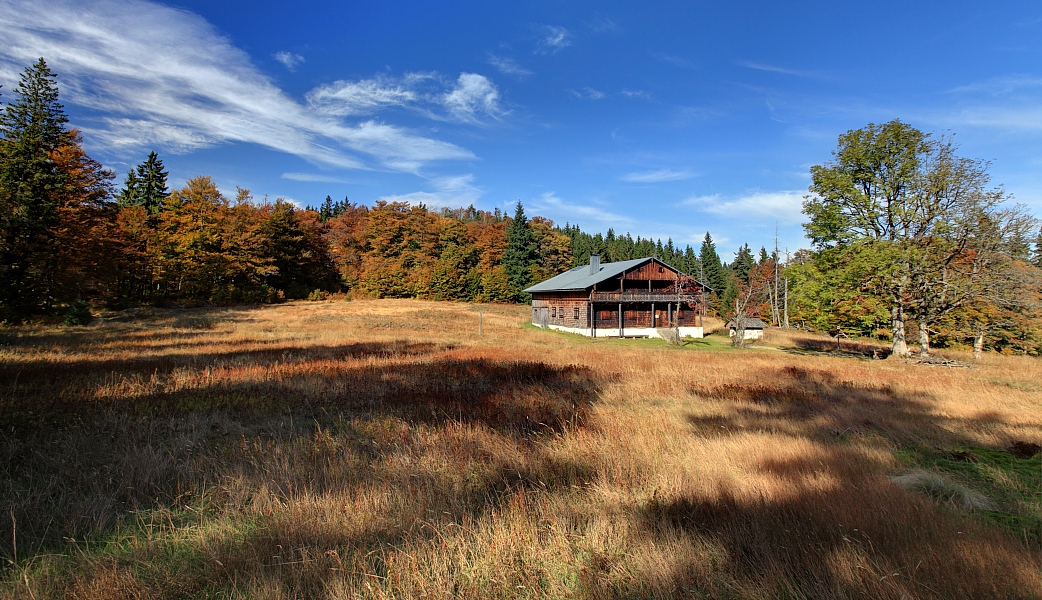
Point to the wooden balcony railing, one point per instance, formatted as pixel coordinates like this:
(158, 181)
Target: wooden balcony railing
(635, 296)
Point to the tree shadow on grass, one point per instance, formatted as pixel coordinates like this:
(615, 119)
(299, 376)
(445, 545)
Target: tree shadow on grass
(846, 348)
(829, 523)
(326, 418)
(833, 529)
(418, 381)
(816, 404)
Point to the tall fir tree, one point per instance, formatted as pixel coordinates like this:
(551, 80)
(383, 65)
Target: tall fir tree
(151, 184)
(325, 212)
(145, 186)
(1037, 258)
(712, 269)
(520, 254)
(743, 263)
(128, 196)
(32, 128)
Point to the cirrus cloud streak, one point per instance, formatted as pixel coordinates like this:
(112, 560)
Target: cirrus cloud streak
(129, 63)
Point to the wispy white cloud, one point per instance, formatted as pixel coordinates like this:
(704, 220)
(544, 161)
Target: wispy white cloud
(641, 94)
(1000, 86)
(677, 61)
(470, 98)
(602, 25)
(473, 97)
(313, 178)
(508, 66)
(1009, 103)
(130, 61)
(593, 216)
(785, 207)
(588, 93)
(1018, 118)
(289, 60)
(553, 39)
(451, 191)
(773, 68)
(293, 201)
(366, 96)
(455, 183)
(658, 176)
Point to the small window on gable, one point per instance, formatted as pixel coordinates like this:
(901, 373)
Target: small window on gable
(660, 270)
(575, 312)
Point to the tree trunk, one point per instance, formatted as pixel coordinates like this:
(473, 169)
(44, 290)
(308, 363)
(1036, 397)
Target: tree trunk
(738, 341)
(897, 324)
(924, 339)
(978, 343)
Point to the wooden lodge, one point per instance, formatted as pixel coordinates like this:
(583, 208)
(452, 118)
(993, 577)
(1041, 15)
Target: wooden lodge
(634, 298)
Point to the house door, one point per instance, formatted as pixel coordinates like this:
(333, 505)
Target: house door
(662, 317)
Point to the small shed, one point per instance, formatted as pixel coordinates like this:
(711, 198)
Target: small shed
(753, 328)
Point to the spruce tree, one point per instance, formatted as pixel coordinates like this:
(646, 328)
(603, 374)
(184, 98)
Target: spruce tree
(712, 268)
(325, 212)
(1037, 258)
(743, 263)
(520, 254)
(32, 127)
(151, 184)
(129, 195)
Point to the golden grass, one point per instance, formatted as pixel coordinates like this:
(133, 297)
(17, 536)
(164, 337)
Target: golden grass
(384, 449)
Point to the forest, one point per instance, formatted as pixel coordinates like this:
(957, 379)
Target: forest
(904, 234)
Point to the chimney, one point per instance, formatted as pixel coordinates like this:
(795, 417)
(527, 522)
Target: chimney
(595, 263)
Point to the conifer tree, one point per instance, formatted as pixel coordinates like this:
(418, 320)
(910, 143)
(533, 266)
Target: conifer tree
(32, 127)
(743, 263)
(325, 212)
(145, 186)
(128, 196)
(520, 254)
(1037, 258)
(151, 184)
(712, 268)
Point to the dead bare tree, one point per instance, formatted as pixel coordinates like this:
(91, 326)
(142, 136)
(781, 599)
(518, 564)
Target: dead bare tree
(753, 297)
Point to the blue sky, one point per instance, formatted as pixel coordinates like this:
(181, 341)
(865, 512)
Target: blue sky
(658, 119)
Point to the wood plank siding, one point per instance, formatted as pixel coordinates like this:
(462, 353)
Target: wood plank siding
(645, 294)
(566, 309)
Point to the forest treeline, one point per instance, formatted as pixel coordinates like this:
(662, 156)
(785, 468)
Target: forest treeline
(70, 236)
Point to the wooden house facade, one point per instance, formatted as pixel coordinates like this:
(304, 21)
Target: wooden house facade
(634, 298)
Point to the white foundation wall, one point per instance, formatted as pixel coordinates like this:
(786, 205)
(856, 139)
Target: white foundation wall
(692, 332)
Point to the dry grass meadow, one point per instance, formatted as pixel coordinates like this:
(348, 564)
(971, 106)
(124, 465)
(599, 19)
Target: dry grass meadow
(383, 449)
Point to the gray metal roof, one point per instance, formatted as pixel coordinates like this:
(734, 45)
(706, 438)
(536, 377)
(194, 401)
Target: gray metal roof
(749, 323)
(580, 278)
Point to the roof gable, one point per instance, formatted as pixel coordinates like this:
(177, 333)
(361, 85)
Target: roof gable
(580, 278)
(748, 323)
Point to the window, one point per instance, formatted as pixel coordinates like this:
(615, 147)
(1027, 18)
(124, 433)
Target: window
(575, 313)
(553, 312)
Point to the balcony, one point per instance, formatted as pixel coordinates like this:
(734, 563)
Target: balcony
(636, 296)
